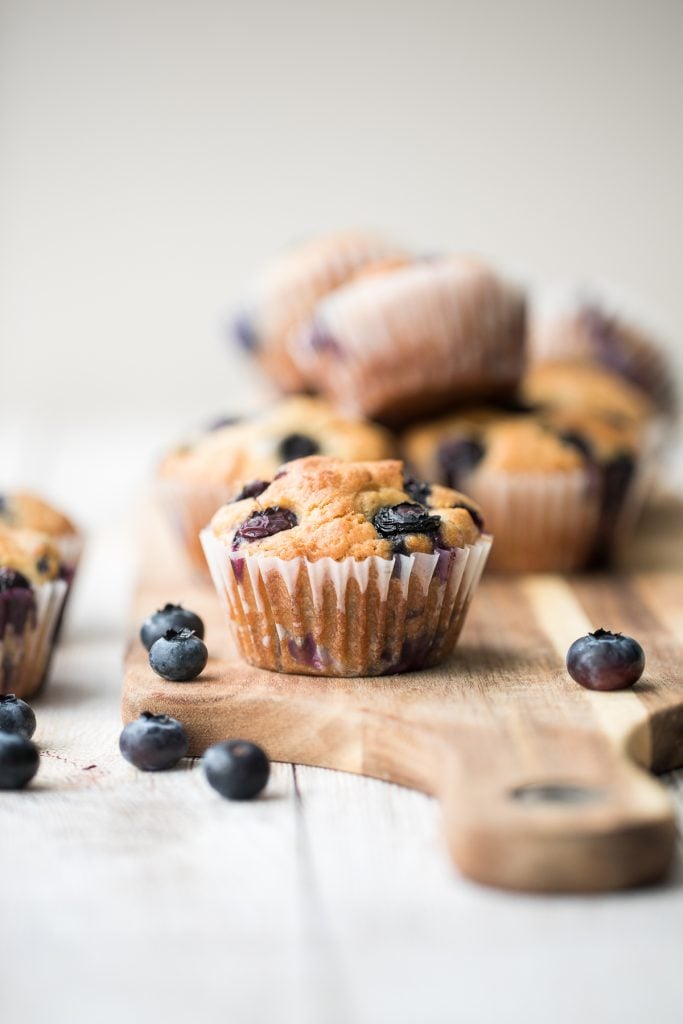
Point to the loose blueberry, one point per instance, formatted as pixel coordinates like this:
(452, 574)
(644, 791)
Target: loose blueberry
(154, 743)
(16, 716)
(237, 769)
(11, 579)
(397, 520)
(457, 459)
(605, 661)
(171, 616)
(19, 759)
(252, 490)
(264, 523)
(417, 490)
(178, 655)
(297, 446)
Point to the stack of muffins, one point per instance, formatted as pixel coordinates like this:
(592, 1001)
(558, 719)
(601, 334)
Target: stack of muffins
(39, 553)
(334, 557)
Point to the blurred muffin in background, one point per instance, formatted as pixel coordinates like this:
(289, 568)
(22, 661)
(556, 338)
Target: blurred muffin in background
(560, 489)
(283, 297)
(585, 387)
(237, 459)
(576, 327)
(31, 599)
(416, 338)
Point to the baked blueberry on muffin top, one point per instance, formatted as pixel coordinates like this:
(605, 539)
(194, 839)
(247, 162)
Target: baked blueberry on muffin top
(323, 507)
(254, 448)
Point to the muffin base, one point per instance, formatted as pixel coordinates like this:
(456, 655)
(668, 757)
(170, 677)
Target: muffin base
(25, 654)
(349, 618)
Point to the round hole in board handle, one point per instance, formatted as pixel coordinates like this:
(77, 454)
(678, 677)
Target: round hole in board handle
(557, 793)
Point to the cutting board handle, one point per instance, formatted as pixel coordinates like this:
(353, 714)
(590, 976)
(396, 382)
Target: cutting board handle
(573, 829)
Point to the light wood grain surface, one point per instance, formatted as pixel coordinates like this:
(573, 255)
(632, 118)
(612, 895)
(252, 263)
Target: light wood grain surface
(537, 777)
(147, 898)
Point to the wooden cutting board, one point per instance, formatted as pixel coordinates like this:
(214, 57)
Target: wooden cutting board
(543, 785)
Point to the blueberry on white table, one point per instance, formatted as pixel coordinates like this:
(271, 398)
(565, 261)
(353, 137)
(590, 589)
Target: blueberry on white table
(154, 743)
(16, 716)
(237, 769)
(19, 759)
(171, 616)
(605, 661)
(179, 655)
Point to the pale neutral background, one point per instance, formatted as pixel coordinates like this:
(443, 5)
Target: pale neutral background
(152, 155)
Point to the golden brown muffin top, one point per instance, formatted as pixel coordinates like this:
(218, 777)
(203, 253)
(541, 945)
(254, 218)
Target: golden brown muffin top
(23, 509)
(255, 448)
(585, 386)
(492, 440)
(326, 508)
(31, 553)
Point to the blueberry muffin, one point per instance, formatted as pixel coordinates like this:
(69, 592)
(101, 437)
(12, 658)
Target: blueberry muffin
(416, 338)
(585, 387)
(31, 598)
(284, 296)
(559, 488)
(585, 328)
(346, 569)
(26, 510)
(209, 470)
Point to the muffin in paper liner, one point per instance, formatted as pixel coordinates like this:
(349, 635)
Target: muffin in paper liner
(208, 471)
(414, 339)
(562, 491)
(351, 617)
(284, 295)
(569, 323)
(28, 624)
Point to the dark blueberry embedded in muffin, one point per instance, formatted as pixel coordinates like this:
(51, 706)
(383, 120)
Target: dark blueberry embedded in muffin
(237, 769)
(252, 490)
(297, 446)
(616, 479)
(457, 458)
(395, 521)
(321, 340)
(264, 523)
(605, 661)
(154, 743)
(11, 579)
(178, 655)
(245, 332)
(417, 489)
(578, 441)
(476, 518)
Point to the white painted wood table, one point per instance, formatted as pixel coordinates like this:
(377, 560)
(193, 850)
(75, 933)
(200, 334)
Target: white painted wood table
(136, 897)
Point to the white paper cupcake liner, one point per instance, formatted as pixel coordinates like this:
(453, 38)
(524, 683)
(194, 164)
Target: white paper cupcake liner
(555, 522)
(188, 508)
(284, 296)
(405, 338)
(25, 656)
(346, 618)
